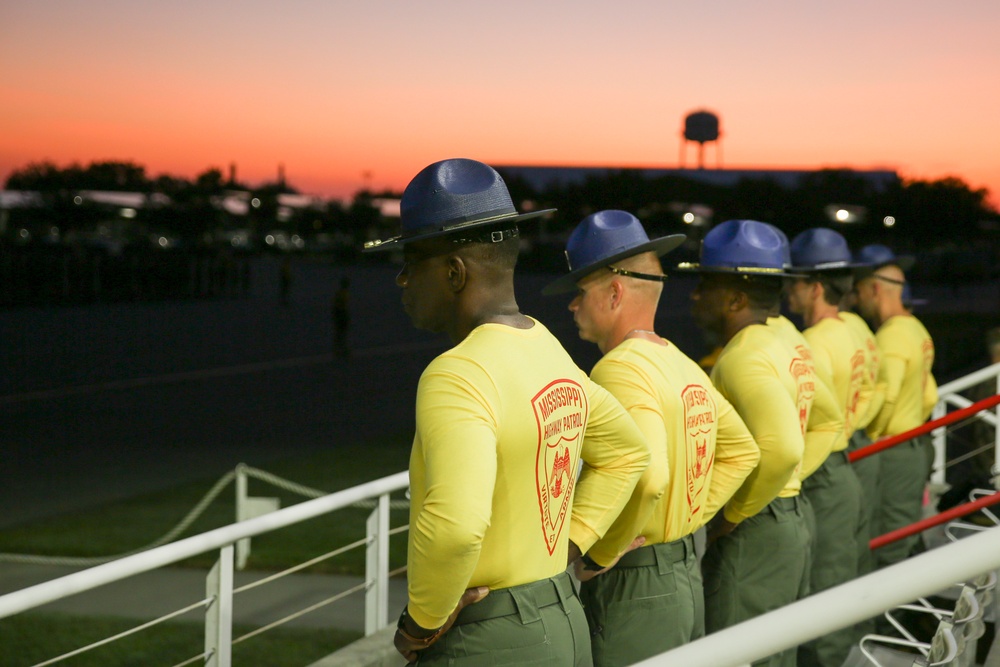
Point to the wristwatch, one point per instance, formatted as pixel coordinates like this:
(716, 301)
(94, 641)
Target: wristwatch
(419, 643)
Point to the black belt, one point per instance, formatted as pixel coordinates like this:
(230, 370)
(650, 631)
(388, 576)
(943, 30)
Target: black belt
(503, 601)
(784, 504)
(671, 552)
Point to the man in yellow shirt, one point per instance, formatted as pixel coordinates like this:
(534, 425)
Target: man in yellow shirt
(652, 600)
(833, 490)
(870, 401)
(504, 422)
(759, 552)
(906, 357)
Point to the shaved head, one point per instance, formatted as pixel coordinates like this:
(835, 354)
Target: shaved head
(647, 262)
(891, 279)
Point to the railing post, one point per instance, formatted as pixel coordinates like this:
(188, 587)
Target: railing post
(219, 614)
(995, 471)
(939, 438)
(377, 568)
(249, 507)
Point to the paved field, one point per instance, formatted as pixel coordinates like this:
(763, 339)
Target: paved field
(106, 401)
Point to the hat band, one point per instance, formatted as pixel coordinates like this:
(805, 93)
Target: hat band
(840, 263)
(743, 269)
(486, 217)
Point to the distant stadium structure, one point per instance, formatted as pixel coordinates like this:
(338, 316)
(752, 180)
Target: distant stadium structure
(702, 127)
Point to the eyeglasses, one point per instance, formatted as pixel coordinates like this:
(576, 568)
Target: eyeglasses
(636, 274)
(886, 279)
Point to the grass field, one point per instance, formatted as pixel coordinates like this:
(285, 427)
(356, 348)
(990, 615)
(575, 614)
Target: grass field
(28, 639)
(120, 527)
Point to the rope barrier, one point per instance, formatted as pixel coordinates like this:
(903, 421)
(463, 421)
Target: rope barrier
(950, 418)
(936, 520)
(190, 518)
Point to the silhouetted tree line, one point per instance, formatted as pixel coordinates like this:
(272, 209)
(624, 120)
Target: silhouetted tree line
(178, 245)
(949, 225)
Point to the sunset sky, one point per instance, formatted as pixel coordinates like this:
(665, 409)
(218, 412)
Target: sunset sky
(335, 89)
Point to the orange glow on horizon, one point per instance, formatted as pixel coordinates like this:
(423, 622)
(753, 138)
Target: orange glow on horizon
(334, 93)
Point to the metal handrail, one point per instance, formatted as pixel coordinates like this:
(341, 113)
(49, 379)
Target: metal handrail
(948, 394)
(841, 606)
(78, 582)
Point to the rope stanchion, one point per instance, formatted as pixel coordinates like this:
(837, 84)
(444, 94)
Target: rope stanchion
(936, 520)
(950, 418)
(190, 518)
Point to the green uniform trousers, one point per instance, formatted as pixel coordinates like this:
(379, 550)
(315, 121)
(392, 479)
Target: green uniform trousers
(541, 623)
(867, 471)
(650, 602)
(901, 482)
(835, 496)
(760, 566)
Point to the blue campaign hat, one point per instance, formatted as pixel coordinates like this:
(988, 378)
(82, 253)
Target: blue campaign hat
(603, 238)
(786, 258)
(875, 256)
(821, 249)
(743, 247)
(453, 197)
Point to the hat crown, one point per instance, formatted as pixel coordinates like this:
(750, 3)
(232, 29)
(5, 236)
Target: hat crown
(876, 254)
(744, 244)
(451, 192)
(601, 235)
(820, 247)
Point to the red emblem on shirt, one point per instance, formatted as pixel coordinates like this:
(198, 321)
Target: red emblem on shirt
(561, 414)
(699, 425)
(805, 386)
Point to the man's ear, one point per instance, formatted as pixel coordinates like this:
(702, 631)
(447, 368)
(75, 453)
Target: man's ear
(616, 293)
(818, 291)
(457, 273)
(737, 300)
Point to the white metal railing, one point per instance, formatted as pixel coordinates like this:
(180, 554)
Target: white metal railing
(840, 607)
(948, 396)
(219, 584)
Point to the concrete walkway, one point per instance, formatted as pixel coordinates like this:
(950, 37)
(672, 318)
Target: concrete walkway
(152, 594)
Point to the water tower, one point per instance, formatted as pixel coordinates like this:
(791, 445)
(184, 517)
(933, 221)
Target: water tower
(701, 126)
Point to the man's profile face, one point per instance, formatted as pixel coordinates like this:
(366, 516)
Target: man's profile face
(709, 301)
(590, 307)
(424, 281)
(800, 295)
(864, 289)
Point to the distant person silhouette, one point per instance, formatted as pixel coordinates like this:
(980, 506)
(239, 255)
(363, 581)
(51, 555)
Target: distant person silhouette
(340, 309)
(286, 280)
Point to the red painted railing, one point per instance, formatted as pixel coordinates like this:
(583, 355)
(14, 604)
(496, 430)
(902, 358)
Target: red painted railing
(950, 418)
(948, 515)
(936, 520)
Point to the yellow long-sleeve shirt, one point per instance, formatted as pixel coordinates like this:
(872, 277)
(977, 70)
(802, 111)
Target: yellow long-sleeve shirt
(767, 384)
(503, 421)
(837, 348)
(872, 394)
(907, 355)
(824, 430)
(701, 451)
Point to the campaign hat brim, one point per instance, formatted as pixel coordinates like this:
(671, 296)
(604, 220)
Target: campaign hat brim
(761, 271)
(660, 246)
(904, 262)
(452, 228)
(826, 267)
